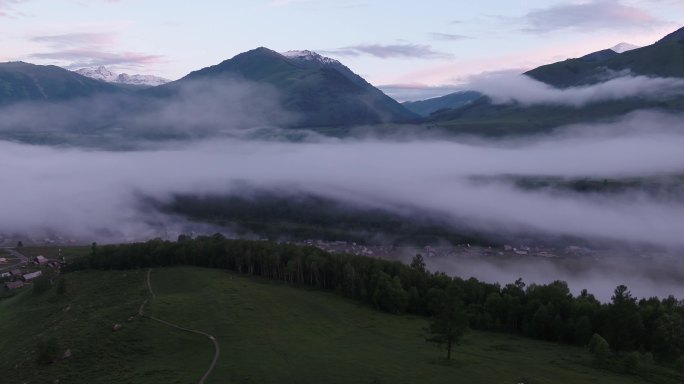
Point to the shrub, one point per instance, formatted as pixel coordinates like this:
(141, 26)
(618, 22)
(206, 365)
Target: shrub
(631, 362)
(47, 350)
(599, 349)
(62, 286)
(679, 364)
(41, 285)
(647, 359)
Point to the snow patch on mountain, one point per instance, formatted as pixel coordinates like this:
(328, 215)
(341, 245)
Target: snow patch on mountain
(104, 74)
(309, 56)
(99, 73)
(624, 47)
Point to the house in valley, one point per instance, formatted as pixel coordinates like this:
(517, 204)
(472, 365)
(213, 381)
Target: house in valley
(13, 285)
(32, 276)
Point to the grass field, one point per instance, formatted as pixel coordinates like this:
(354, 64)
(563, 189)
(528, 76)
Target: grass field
(268, 333)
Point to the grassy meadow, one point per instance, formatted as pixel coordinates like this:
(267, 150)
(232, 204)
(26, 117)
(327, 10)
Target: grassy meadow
(268, 333)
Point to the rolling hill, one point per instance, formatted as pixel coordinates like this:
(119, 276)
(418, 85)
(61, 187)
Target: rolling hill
(268, 333)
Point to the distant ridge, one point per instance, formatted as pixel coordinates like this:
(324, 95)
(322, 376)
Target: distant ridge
(453, 100)
(665, 58)
(674, 36)
(104, 74)
(21, 81)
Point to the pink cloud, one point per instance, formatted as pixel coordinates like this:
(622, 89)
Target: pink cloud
(589, 16)
(78, 58)
(458, 71)
(76, 39)
(6, 7)
(88, 49)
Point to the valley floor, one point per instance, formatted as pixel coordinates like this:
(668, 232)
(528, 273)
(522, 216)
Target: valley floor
(267, 332)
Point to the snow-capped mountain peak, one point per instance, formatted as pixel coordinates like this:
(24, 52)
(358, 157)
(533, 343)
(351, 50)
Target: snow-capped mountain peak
(309, 56)
(104, 74)
(99, 73)
(148, 80)
(624, 47)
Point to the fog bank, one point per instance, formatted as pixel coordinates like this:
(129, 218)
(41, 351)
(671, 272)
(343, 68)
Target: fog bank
(507, 87)
(86, 191)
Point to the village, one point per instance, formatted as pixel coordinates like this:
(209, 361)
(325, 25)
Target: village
(447, 251)
(17, 270)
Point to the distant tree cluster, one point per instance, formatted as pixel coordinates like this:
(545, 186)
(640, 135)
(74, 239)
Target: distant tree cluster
(311, 217)
(548, 312)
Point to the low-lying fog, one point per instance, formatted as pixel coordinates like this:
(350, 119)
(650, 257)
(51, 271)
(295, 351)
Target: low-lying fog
(99, 195)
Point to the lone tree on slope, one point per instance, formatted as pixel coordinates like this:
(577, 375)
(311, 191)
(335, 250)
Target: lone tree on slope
(449, 324)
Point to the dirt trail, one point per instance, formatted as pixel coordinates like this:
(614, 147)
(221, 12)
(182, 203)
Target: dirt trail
(23, 260)
(217, 349)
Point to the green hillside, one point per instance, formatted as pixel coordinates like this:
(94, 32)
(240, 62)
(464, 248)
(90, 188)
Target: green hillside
(268, 333)
(28, 82)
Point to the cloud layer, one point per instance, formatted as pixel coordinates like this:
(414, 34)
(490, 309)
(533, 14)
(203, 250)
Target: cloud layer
(195, 109)
(84, 191)
(588, 16)
(6, 7)
(508, 87)
(417, 51)
(88, 49)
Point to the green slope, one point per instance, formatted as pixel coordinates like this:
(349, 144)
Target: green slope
(268, 333)
(28, 82)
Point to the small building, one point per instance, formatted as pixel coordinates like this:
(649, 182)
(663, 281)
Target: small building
(15, 272)
(3, 260)
(14, 285)
(5, 274)
(40, 260)
(32, 275)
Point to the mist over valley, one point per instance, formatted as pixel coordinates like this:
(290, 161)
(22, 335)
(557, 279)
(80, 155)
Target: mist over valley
(278, 203)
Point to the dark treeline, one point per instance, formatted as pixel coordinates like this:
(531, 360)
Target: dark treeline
(304, 217)
(548, 312)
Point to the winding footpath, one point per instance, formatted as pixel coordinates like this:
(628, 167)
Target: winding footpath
(217, 350)
(23, 260)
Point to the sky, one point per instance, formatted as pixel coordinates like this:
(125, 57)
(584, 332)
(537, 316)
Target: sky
(400, 45)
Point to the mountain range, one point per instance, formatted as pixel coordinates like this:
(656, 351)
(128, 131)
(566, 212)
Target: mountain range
(319, 91)
(322, 93)
(663, 59)
(104, 74)
(460, 99)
